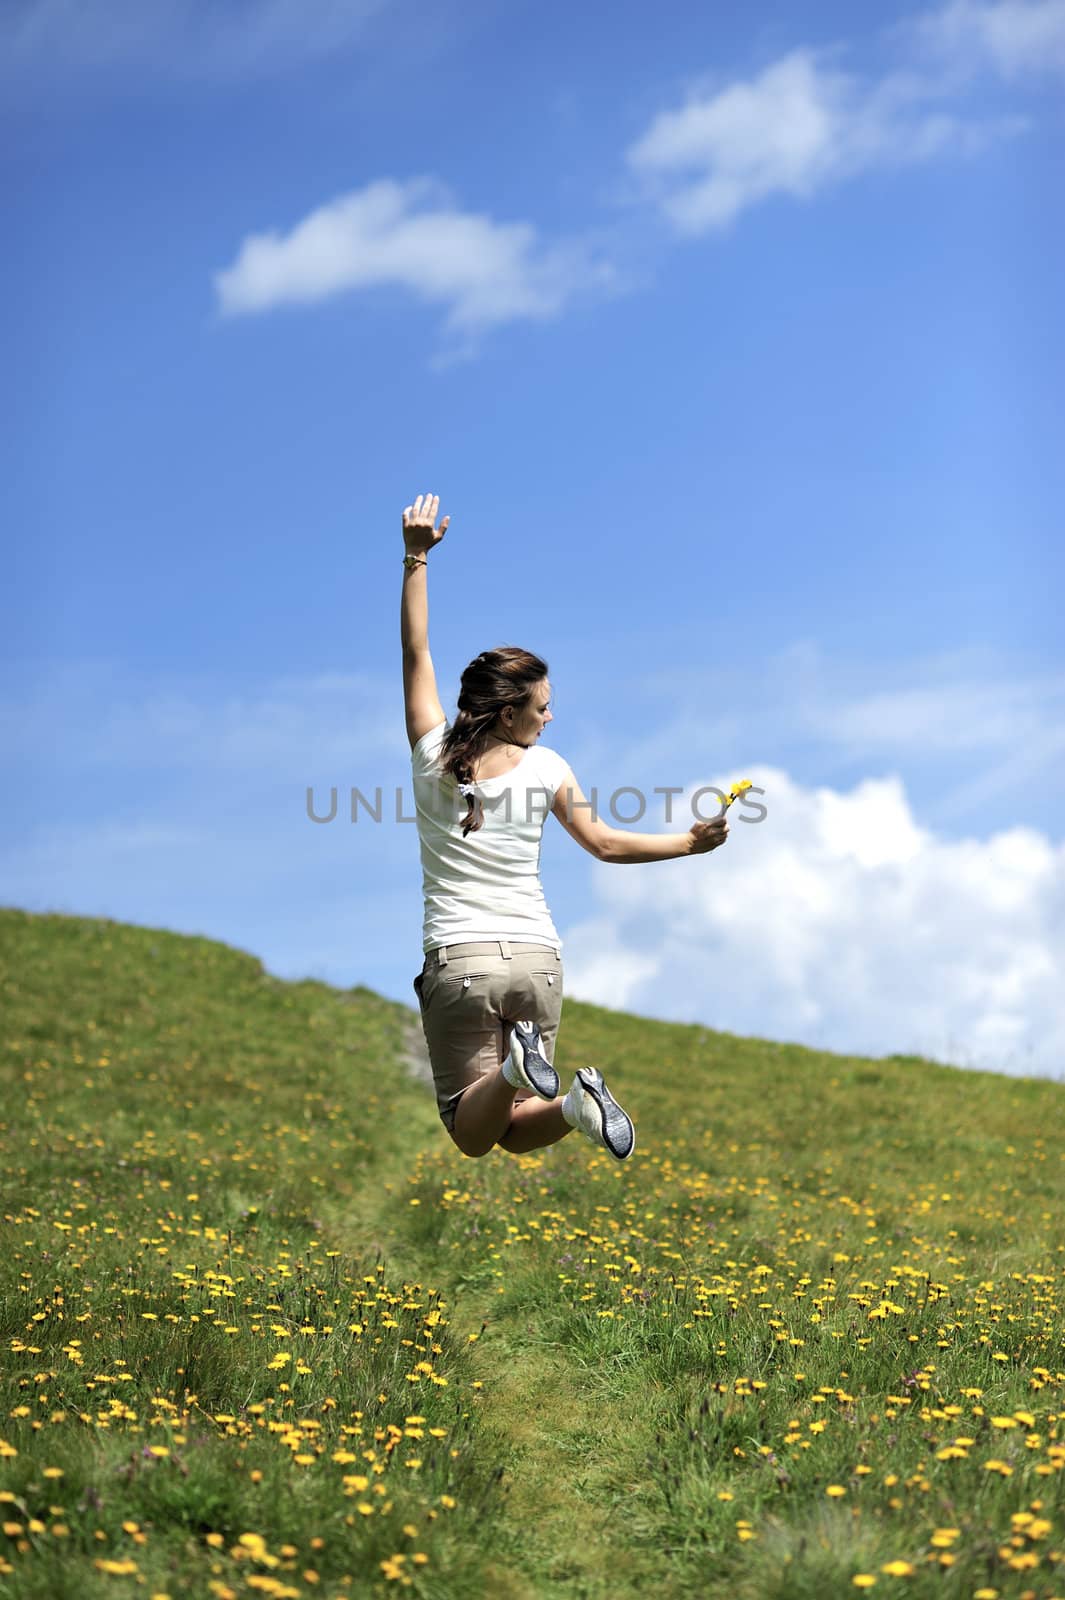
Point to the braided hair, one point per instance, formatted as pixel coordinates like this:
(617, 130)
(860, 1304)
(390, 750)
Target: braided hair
(495, 679)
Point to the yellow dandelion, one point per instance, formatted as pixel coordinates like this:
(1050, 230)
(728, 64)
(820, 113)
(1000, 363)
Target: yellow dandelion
(899, 1569)
(863, 1580)
(835, 1490)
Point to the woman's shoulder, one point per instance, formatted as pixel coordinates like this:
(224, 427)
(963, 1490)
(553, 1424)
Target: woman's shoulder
(549, 765)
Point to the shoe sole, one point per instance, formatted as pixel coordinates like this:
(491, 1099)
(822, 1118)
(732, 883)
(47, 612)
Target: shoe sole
(619, 1135)
(541, 1075)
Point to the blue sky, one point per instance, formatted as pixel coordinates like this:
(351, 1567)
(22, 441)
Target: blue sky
(730, 340)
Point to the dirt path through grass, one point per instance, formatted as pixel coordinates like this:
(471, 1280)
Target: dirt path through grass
(574, 1462)
(574, 1457)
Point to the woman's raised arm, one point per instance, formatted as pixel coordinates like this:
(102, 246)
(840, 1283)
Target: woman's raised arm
(421, 700)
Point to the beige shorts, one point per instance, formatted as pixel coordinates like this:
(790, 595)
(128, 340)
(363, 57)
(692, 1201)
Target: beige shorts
(470, 994)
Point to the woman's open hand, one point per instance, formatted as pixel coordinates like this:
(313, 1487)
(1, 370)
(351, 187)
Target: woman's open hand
(419, 532)
(708, 835)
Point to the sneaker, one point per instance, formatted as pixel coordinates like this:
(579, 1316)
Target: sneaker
(591, 1107)
(527, 1067)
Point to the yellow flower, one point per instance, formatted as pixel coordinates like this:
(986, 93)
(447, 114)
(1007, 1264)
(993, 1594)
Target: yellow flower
(863, 1580)
(835, 1489)
(898, 1569)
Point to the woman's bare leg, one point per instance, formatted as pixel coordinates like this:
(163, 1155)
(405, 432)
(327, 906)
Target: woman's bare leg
(484, 1114)
(535, 1123)
(487, 1116)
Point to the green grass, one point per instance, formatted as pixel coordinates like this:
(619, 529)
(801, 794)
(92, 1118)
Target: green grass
(240, 1255)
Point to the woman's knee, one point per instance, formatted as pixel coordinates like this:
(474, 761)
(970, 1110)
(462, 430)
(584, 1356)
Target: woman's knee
(464, 1140)
(468, 1149)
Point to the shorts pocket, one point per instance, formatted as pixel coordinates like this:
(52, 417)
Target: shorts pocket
(455, 985)
(537, 994)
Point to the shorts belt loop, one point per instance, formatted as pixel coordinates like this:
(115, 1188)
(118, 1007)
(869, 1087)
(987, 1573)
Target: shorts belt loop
(504, 949)
(441, 956)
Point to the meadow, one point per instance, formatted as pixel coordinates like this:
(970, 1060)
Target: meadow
(267, 1332)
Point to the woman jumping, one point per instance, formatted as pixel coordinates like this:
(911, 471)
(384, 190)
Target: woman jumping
(490, 989)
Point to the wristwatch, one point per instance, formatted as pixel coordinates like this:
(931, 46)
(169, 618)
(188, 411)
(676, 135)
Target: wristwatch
(411, 561)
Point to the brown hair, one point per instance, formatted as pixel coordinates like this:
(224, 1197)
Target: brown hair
(497, 678)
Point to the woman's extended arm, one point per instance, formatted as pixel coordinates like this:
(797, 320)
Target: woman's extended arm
(622, 845)
(421, 700)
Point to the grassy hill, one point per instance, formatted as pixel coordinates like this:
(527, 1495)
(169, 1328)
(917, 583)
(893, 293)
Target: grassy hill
(267, 1332)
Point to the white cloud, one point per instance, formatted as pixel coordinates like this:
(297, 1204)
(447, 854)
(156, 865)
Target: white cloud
(182, 803)
(95, 718)
(182, 35)
(966, 729)
(839, 922)
(952, 715)
(410, 235)
(797, 127)
(1016, 38)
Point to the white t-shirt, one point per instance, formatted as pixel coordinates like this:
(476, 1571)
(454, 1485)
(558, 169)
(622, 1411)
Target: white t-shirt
(486, 885)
